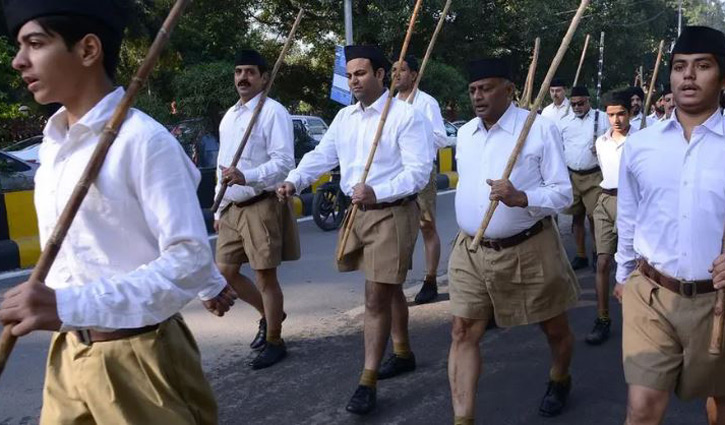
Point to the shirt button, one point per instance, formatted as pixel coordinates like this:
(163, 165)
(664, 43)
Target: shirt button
(684, 254)
(684, 183)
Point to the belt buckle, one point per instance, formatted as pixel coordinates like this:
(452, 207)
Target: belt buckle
(84, 335)
(692, 288)
(491, 244)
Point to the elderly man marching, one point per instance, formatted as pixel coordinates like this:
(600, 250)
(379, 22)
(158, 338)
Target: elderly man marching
(671, 219)
(253, 226)
(521, 247)
(383, 235)
(577, 132)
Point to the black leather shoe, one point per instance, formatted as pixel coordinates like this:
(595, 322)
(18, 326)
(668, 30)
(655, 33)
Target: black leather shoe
(600, 333)
(260, 340)
(395, 366)
(428, 293)
(271, 355)
(579, 263)
(555, 398)
(363, 401)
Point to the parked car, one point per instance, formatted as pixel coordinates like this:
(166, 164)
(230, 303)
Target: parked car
(451, 132)
(26, 150)
(16, 174)
(459, 123)
(199, 141)
(315, 126)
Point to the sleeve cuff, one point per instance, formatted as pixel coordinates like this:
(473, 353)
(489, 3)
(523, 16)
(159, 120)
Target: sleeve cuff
(66, 300)
(214, 289)
(251, 176)
(294, 178)
(383, 192)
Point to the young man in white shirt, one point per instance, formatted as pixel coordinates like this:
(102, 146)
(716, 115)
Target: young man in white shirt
(637, 100)
(137, 251)
(609, 146)
(577, 132)
(520, 274)
(668, 99)
(560, 104)
(671, 219)
(384, 232)
(424, 103)
(253, 226)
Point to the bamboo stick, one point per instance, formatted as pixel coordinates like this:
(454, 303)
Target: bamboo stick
(652, 83)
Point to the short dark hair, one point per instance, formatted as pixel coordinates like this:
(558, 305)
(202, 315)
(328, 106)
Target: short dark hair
(72, 28)
(620, 98)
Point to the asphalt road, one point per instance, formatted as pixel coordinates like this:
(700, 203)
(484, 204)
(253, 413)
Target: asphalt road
(323, 333)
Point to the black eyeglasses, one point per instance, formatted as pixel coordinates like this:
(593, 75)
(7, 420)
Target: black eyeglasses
(577, 104)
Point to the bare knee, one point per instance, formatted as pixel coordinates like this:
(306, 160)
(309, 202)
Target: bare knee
(428, 228)
(379, 296)
(467, 331)
(229, 271)
(604, 262)
(645, 405)
(267, 279)
(557, 329)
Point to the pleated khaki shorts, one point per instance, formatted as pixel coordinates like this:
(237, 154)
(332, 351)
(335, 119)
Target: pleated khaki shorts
(665, 340)
(527, 283)
(605, 224)
(381, 243)
(262, 234)
(586, 191)
(427, 199)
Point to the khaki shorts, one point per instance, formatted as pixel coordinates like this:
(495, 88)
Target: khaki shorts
(665, 340)
(586, 190)
(427, 199)
(150, 378)
(381, 243)
(528, 283)
(605, 224)
(262, 234)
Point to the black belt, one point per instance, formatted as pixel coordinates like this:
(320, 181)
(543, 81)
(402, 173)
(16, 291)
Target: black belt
(610, 192)
(251, 201)
(499, 244)
(585, 172)
(381, 205)
(686, 288)
(89, 336)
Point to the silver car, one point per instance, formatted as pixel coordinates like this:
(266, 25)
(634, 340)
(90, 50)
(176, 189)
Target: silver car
(16, 174)
(315, 126)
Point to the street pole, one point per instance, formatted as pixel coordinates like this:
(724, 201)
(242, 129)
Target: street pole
(348, 22)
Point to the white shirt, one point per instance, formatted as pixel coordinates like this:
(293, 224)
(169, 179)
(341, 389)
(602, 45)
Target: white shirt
(540, 171)
(269, 153)
(609, 153)
(137, 251)
(578, 136)
(401, 165)
(671, 203)
(555, 113)
(636, 122)
(429, 107)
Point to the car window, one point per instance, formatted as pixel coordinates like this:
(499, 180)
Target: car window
(25, 144)
(451, 130)
(11, 165)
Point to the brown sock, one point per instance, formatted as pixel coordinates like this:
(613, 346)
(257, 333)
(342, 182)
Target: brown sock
(463, 420)
(558, 378)
(604, 314)
(369, 378)
(430, 278)
(402, 350)
(274, 336)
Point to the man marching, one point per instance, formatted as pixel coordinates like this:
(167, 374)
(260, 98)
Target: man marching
(520, 274)
(384, 233)
(609, 151)
(671, 219)
(254, 227)
(637, 100)
(560, 104)
(577, 132)
(137, 251)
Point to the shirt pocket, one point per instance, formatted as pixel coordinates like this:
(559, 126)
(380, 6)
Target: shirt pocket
(97, 229)
(711, 190)
(255, 146)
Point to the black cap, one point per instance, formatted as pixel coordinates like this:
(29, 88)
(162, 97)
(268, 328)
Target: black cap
(489, 68)
(251, 57)
(579, 91)
(372, 53)
(557, 82)
(112, 13)
(667, 90)
(636, 91)
(698, 39)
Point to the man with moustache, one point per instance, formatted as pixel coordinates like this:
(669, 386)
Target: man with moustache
(519, 274)
(658, 110)
(560, 105)
(253, 226)
(137, 251)
(609, 146)
(384, 232)
(577, 132)
(668, 99)
(637, 100)
(671, 219)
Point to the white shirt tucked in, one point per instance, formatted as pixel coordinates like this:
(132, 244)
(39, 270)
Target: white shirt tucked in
(540, 172)
(555, 113)
(269, 153)
(578, 136)
(137, 252)
(429, 107)
(609, 153)
(671, 203)
(402, 162)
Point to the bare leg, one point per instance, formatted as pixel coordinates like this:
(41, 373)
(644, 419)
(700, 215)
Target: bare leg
(591, 230)
(272, 297)
(245, 289)
(712, 411)
(646, 406)
(604, 262)
(577, 225)
(561, 343)
(378, 306)
(400, 317)
(432, 244)
(464, 364)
